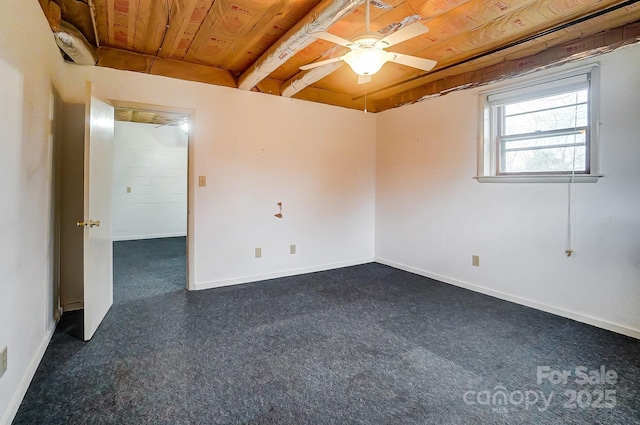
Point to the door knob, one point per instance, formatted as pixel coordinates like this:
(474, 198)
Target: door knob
(89, 223)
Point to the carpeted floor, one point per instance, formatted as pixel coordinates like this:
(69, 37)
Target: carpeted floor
(360, 345)
(148, 267)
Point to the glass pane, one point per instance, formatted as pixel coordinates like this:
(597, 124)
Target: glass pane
(545, 141)
(545, 160)
(551, 119)
(571, 98)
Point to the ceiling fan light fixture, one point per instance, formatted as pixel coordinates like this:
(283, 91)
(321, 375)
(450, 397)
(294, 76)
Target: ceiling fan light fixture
(367, 61)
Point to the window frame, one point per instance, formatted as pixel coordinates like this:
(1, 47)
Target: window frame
(489, 138)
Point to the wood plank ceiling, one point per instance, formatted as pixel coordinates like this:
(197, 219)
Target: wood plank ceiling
(236, 43)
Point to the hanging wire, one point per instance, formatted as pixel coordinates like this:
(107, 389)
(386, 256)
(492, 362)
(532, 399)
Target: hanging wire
(164, 35)
(571, 186)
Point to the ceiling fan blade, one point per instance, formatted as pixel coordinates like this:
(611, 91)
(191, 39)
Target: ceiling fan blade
(170, 123)
(317, 64)
(364, 79)
(332, 38)
(403, 34)
(414, 61)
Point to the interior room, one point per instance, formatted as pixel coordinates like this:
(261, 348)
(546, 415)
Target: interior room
(149, 206)
(380, 247)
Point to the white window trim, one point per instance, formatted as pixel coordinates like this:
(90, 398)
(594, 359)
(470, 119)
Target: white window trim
(487, 155)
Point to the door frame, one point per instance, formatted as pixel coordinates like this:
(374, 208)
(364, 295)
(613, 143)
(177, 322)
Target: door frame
(191, 179)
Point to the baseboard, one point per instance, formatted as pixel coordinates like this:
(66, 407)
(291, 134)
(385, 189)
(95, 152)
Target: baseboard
(140, 237)
(20, 392)
(285, 273)
(599, 323)
(73, 306)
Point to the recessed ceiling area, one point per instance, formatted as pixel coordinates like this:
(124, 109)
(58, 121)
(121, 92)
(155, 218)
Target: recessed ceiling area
(160, 118)
(260, 45)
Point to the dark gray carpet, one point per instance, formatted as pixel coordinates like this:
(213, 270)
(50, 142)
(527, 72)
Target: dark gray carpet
(148, 267)
(359, 345)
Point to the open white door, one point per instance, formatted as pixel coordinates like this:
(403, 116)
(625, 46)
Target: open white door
(98, 246)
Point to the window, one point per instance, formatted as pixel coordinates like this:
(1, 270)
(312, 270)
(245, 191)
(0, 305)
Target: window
(540, 130)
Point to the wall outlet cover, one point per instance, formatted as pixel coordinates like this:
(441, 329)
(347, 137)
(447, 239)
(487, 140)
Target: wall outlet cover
(258, 252)
(475, 260)
(292, 249)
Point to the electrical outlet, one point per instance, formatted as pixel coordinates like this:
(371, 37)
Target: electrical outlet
(202, 181)
(3, 361)
(475, 260)
(128, 189)
(258, 252)
(292, 249)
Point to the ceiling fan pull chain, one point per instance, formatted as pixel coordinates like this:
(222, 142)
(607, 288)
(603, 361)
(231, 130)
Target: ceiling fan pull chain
(365, 91)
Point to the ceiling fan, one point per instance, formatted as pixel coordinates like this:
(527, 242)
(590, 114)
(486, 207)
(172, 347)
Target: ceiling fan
(367, 53)
(183, 123)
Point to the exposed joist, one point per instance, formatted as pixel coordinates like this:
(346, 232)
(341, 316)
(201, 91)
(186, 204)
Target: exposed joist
(328, 97)
(304, 79)
(270, 86)
(298, 37)
(545, 34)
(279, 19)
(129, 61)
(192, 72)
(583, 48)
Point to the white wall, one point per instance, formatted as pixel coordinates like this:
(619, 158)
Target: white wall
(320, 162)
(431, 216)
(257, 150)
(152, 162)
(28, 63)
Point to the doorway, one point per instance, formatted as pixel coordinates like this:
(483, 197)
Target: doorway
(150, 203)
(77, 129)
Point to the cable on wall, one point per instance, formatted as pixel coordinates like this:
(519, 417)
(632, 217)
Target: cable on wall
(571, 186)
(164, 35)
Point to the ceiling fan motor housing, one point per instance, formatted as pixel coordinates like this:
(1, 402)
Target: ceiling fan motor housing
(368, 38)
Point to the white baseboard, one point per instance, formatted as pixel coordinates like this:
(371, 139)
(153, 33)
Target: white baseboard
(275, 275)
(140, 237)
(73, 306)
(20, 392)
(599, 323)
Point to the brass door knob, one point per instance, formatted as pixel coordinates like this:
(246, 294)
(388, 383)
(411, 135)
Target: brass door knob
(89, 223)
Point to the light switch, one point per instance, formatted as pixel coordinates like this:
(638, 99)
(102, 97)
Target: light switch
(258, 252)
(202, 181)
(128, 189)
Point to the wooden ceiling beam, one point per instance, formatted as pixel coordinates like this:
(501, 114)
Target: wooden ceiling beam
(582, 48)
(298, 37)
(328, 97)
(147, 64)
(583, 27)
(304, 79)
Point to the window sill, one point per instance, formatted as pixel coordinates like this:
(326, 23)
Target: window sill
(582, 178)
